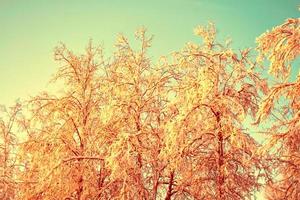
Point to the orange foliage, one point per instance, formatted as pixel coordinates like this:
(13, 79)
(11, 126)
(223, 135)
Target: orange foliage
(8, 142)
(281, 46)
(128, 128)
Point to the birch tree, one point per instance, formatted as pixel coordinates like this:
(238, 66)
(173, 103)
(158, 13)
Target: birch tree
(211, 154)
(280, 47)
(8, 142)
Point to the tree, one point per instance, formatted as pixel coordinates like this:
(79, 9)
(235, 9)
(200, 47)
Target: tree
(8, 142)
(101, 137)
(211, 155)
(63, 154)
(281, 46)
(136, 110)
(125, 127)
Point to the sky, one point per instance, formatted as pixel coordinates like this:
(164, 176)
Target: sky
(29, 30)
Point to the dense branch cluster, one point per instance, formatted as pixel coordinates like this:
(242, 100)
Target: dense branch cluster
(129, 128)
(282, 46)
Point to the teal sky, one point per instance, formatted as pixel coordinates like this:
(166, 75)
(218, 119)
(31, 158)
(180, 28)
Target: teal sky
(29, 30)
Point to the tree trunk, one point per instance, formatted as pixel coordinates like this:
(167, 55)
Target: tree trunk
(80, 187)
(155, 187)
(220, 166)
(169, 192)
(221, 177)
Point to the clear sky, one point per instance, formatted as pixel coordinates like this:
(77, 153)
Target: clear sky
(29, 30)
